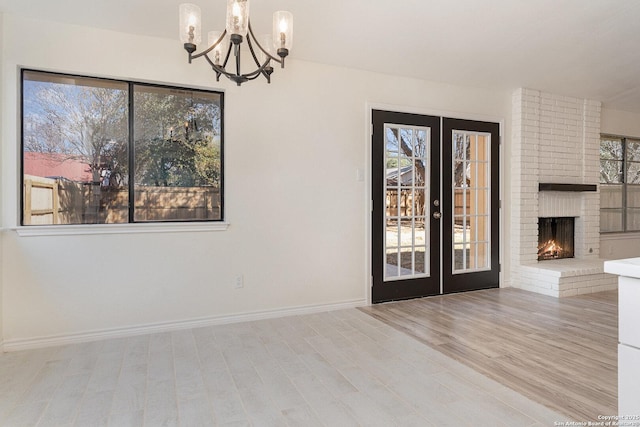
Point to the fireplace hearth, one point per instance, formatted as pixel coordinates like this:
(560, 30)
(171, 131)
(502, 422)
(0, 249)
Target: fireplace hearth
(556, 238)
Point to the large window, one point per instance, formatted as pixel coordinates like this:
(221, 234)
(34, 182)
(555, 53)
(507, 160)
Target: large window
(619, 184)
(99, 151)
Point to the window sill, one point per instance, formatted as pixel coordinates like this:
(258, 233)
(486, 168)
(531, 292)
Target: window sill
(619, 235)
(95, 229)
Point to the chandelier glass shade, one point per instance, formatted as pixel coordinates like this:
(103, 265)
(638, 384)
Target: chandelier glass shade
(263, 49)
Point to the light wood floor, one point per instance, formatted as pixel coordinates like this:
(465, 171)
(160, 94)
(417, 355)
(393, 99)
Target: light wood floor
(561, 353)
(340, 368)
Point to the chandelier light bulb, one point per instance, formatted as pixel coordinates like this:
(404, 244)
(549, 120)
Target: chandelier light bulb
(220, 50)
(190, 27)
(283, 29)
(237, 16)
(283, 25)
(283, 32)
(266, 42)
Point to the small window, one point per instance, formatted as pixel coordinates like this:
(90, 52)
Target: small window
(619, 184)
(99, 151)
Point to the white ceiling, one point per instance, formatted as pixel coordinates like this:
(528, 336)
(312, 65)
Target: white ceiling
(583, 48)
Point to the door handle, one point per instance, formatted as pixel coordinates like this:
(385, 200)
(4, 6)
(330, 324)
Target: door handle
(437, 215)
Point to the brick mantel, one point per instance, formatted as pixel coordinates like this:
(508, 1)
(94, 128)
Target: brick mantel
(555, 139)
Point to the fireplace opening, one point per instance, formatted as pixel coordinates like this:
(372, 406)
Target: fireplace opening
(556, 238)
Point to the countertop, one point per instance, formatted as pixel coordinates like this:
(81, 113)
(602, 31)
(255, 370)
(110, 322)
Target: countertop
(629, 267)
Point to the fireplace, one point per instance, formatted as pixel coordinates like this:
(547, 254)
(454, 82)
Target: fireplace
(556, 238)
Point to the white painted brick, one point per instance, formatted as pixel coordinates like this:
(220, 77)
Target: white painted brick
(555, 139)
(603, 288)
(568, 293)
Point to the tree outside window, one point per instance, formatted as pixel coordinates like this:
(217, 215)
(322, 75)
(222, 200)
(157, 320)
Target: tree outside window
(99, 151)
(619, 184)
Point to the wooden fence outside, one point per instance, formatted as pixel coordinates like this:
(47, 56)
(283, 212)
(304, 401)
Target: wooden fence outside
(50, 201)
(41, 203)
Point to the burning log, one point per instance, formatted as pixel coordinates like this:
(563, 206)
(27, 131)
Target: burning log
(550, 250)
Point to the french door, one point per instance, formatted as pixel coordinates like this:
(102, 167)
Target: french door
(406, 188)
(425, 242)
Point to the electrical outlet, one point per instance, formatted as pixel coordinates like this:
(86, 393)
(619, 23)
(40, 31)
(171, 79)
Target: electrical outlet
(239, 282)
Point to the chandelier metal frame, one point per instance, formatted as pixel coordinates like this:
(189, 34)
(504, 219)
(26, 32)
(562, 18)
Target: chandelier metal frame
(238, 77)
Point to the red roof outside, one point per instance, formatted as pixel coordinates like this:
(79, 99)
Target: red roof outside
(51, 165)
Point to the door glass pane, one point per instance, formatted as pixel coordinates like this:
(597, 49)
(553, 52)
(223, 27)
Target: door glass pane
(405, 137)
(420, 169)
(419, 202)
(420, 146)
(405, 202)
(460, 201)
(392, 233)
(481, 255)
(406, 262)
(481, 204)
(460, 255)
(421, 260)
(391, 257)
(392, 199)
(420, 233)
(406, 176)
(406, 232)
(459, 176)
(482, 152)
(471, 256)
(407, 192)
(461, 145)
(471, 190)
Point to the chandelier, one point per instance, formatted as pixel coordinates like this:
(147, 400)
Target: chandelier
(238, 28)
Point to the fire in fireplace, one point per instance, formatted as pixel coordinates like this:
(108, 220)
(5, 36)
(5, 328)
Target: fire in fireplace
(556, 238)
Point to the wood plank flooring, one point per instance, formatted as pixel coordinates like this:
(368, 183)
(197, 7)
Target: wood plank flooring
(339, 368)
(561, 353)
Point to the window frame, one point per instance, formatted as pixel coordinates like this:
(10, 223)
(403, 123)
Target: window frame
(131, 225)
(623, 184)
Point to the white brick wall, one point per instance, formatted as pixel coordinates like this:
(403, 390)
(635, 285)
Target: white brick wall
(555, 139)
(524, 172)
(551, 203)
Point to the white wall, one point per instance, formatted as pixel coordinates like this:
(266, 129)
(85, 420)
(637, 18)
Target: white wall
(1, 180)
(618, 122)
(298, 215)
(620, 245)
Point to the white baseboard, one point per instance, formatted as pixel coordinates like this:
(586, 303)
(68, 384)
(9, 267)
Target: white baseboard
(154, 328)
